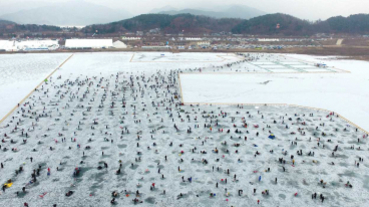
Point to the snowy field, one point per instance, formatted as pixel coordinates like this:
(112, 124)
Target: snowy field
(103, 124)
(21, 73)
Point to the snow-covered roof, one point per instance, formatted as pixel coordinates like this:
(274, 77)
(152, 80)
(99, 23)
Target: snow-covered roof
(28, 44)
(6, 44)
(119, 44)
(193, 38)
(37, 43)
(93, 43)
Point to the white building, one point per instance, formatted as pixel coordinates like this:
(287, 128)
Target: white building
(193, 38)
(119, 44)
(7, 45)
(131, 38)
(34, 45)
(28, 45)
(156, 47)
(88, 43)
(268, 40)
(203, 43)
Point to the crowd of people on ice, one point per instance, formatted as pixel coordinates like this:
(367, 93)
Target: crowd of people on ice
(148, 109)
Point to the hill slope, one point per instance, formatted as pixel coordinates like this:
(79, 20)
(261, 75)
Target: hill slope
(289, 25)
(3, 22)
(168, 24)
(358, 23)
(267, 24)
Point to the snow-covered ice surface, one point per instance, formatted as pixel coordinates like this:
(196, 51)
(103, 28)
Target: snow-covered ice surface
(108, 63)
(20, 73)
(178, 57)
(345, 93)
(278, 63)
(128, 115)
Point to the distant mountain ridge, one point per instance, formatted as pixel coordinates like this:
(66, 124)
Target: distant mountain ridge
(72, 13)
(18, 6)
(236, 11)
(162, 9)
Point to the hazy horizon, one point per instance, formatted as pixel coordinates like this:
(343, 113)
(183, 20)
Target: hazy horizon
(310, 10)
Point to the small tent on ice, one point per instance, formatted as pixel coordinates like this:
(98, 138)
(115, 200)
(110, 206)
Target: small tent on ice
(272, 136)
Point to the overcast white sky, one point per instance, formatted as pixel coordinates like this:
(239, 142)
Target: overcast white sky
(305, 9)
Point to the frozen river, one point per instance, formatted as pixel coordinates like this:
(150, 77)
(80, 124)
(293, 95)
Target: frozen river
(108, 123)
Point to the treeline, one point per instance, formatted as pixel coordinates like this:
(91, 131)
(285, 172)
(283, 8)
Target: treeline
(167, 23)
(270, 24)
(5, 22)
(11, 27)
(289, 25)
